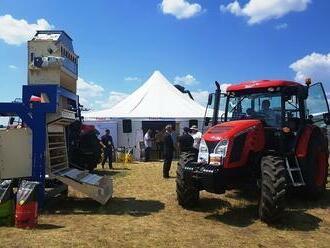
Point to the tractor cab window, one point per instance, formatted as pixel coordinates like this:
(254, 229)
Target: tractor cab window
(263, 106)
(316, 103)
(291, 107)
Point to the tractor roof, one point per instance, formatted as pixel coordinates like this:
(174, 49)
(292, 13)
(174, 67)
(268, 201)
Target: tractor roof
(261, 84)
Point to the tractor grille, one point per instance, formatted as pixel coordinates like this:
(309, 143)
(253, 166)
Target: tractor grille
(211, 145)
(238, 146)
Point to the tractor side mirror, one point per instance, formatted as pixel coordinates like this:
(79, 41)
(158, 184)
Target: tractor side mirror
(209, 100)
(326, 118)
(11, 120)
(207, 121)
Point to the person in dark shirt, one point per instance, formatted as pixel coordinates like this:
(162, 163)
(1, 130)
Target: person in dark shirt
(186, 141)
(168, 151)
(107, 144)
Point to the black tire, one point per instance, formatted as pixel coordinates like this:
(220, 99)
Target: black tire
(315, 163)
(187, 194)
(273, 188)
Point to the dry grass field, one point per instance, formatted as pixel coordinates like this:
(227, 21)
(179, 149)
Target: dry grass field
(144, 213)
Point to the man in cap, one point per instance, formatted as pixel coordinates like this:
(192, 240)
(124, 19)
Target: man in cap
(168, 151)
(197, 136)
(186, 141)
(107, 144)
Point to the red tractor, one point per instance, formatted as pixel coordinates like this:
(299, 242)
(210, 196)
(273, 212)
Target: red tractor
(272, 134)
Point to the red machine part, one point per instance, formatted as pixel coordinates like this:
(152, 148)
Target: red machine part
(302, 147)
(254, 142)
(87, 128)
(261, 84)
(26, 215)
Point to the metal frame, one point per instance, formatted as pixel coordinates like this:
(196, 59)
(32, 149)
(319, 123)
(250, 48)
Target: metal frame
(34, 116)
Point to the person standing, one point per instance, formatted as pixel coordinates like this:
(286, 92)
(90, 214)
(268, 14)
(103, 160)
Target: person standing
(159, 143)
(147, 144)
(168, 151)
(197, 136)
(186, 141)
(107, 144)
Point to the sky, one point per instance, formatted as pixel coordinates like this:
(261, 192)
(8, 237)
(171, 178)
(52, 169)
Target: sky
(192, 42)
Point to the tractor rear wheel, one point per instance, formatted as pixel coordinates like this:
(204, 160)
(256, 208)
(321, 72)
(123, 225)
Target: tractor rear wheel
(273, 188)
(187, 194)
(315, 166)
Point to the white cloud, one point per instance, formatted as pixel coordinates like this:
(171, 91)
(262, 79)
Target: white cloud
(281, 26)
(200, 96)
(13, 67)
(88, 91)
(16, 32)
(181, 9)
(315, 66)
(114, 98)
(186, 80)
(258, 11)
(132, 79)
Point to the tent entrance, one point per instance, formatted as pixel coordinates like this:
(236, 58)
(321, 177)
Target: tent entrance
(158, 130)
(156, 125)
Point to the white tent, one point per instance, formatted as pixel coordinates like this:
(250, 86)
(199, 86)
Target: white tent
(157, 100)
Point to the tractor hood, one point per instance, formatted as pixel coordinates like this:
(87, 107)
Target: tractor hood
(227, 130)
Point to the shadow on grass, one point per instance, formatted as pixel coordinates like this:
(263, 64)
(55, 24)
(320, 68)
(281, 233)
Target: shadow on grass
(207, 205)
(116, 206)
(236, 216)
(48, 227)
(250, 196)
(297, 220)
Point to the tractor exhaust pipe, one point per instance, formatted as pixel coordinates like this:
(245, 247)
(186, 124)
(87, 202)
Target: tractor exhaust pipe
(216, 104)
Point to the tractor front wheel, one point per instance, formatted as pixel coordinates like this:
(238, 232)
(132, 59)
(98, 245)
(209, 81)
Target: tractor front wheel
(273, 188)
(187, 194)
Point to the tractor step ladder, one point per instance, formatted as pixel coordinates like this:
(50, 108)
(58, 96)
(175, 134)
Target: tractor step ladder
(294, 171)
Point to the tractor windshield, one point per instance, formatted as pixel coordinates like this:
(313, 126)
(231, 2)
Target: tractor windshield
(264, 106)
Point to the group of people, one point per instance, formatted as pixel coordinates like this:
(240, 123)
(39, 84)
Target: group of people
(188, 142)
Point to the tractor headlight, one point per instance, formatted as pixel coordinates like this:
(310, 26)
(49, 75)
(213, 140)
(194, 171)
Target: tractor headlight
(220, 151)
(221, 148)
(203, 154)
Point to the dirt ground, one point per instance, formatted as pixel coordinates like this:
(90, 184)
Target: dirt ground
(144, 213)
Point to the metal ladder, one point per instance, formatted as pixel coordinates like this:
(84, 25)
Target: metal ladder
(295, 172)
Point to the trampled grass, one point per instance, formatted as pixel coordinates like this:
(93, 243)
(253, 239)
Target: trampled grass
(144, 213)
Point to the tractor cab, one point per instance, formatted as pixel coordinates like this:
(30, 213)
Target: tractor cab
(282, 107)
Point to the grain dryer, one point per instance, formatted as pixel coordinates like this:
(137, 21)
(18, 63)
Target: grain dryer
(38, 148)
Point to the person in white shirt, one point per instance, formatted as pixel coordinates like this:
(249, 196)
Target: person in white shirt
(197, 136)
(148, 144)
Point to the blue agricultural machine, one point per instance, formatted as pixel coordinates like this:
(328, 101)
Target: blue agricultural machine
(44, 146)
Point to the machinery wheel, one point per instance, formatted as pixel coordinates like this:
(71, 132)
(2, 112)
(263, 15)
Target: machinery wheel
(187, 194)
(273, 188)
(315, 166)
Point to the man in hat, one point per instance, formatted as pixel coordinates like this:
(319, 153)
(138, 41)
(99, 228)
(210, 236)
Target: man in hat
(197, 136)
(168, 151)
(186, 141)
(147, 144)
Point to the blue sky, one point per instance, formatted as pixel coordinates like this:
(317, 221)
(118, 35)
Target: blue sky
(121, 42)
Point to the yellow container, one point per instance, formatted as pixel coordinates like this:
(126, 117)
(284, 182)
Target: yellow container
(120, 157)
(128, 158)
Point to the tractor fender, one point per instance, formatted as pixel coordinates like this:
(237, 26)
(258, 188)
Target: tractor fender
(303, 141)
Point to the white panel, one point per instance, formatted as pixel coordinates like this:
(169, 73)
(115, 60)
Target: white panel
(15, 153)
